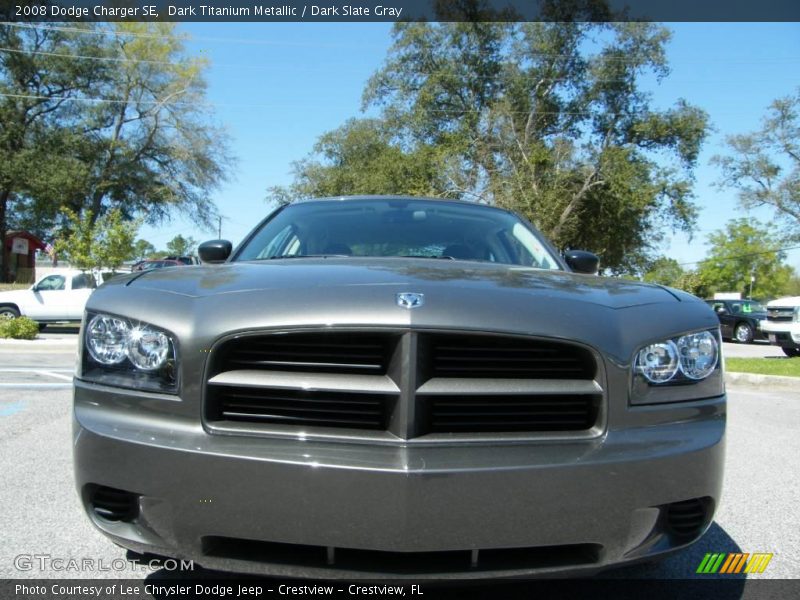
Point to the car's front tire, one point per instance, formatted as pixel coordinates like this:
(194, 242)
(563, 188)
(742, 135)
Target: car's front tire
(790, 352)
(8, 312)
(743, 333)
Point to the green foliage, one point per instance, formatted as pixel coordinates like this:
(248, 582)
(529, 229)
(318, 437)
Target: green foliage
(21, 328)
(765, 165)
(88, 243)
(665, 271)
(181, 246)
(151, 150)
(359, 158)
(744, 249)
(142, 249)
(544, 118)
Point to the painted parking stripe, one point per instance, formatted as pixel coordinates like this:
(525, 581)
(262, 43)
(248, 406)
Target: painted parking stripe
(56, 375)
(35, 386)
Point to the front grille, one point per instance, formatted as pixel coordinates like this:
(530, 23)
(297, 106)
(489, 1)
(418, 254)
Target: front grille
(466, 414)
(686, 520)
(406, 383)
(319, 352)
(778, 315)
(299, 407)
(405, 563)
(503, 357)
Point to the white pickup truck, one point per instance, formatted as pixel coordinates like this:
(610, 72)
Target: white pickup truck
(782, 325)
(57, 297)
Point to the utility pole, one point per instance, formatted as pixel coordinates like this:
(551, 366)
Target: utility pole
(752, 279)
(219, 231)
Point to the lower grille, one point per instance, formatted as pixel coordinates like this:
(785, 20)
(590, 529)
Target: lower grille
(299, 407)
(445, 414)
(405, 563)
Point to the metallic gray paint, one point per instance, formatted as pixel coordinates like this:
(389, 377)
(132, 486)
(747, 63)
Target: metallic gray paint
(373, 491)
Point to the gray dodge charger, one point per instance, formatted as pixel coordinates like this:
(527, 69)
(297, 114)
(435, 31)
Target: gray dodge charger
(391, 386)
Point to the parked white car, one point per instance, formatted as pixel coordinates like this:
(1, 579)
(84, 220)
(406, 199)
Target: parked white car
(782, 325)
(57, 297)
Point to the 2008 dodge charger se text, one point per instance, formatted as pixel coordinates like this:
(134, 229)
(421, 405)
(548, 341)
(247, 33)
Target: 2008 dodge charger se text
(377, 386)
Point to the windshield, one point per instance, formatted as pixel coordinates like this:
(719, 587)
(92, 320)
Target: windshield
(399, 228)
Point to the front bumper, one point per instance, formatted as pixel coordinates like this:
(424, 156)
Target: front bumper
(782, 333)
(298, 507)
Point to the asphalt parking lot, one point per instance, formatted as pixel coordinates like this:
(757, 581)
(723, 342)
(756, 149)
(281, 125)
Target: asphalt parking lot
(42, 516)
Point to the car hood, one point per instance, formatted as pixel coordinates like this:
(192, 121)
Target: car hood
(787, 302)
(400, 275)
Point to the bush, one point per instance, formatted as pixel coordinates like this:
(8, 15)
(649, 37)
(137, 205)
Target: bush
(21, 328)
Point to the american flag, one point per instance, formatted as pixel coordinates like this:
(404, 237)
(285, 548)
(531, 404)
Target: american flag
(49, 248)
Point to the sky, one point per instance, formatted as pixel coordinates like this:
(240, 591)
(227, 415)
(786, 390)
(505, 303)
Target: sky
(277, 87)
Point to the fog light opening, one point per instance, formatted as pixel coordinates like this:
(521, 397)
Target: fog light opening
(687, 520)
(114, 505)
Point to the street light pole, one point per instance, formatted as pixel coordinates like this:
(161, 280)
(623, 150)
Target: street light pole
(752, 279)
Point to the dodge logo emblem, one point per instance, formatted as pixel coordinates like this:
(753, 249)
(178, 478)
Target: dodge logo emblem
(410, 300)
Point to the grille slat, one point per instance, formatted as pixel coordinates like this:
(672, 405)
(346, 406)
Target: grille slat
(298, 407)
(490, 357)
(347, 352)
(527, 413)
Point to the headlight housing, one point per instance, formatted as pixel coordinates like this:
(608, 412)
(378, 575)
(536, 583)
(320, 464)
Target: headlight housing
(685, 367)
(128, 353)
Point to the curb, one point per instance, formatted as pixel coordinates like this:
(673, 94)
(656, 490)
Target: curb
(755, 380)
(38, 344)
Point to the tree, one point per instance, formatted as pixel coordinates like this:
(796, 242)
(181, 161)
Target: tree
(765, 165)
(359, 158)
(745, 250)
(544, 118)
(119, 121)
(96, 243)
(142, 249)
(181, 246)
(664, 271)
(39, 120)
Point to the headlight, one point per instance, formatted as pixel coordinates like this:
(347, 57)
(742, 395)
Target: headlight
(128, 353)
(689, 357)
(796, 314)
(658, 362)
(698, 354)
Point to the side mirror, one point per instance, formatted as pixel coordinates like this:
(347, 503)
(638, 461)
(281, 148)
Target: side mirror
(581, 261)
(214, 251)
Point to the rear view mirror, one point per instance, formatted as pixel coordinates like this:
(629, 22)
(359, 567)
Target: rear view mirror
(215, 251)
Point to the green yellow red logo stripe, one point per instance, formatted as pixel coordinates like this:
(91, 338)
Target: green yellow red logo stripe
(733, 562)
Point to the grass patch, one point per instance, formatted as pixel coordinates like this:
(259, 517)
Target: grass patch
(5, 287)
(786, 367)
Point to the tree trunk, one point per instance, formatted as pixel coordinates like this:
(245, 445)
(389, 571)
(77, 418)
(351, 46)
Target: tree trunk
(4, 197)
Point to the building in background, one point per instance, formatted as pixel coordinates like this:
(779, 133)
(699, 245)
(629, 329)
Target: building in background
(18, 260)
